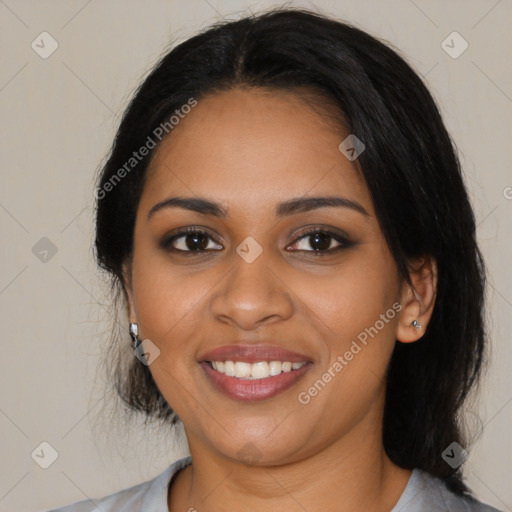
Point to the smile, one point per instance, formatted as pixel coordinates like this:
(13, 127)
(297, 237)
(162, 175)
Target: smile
(254, 371)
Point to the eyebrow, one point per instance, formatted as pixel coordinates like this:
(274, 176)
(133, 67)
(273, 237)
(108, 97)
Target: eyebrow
(290, 207)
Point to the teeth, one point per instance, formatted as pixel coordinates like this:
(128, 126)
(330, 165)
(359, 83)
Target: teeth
(275, 367)
(229, 368)
(259, 370)
(242, 370)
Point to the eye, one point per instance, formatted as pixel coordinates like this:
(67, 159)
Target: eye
(195, 240)
(320, 242)
(189, 240)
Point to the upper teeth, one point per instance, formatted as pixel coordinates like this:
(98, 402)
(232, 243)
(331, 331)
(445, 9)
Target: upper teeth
(259, 370)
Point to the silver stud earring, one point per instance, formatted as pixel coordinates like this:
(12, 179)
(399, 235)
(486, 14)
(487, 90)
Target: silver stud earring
(416, 324)
(134, 334)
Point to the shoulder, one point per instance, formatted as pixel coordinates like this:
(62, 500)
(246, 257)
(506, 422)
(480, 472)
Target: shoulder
(426, 492)
(150, 495)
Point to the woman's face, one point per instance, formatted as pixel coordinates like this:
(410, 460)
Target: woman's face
(259, 289)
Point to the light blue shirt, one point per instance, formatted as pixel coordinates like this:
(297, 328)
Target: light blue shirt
(423, 493)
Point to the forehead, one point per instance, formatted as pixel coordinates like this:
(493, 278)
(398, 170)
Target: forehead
(251, 147)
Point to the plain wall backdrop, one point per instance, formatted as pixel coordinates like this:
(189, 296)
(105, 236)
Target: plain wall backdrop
(59, 116)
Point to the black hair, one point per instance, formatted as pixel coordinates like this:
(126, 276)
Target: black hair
(412, 171)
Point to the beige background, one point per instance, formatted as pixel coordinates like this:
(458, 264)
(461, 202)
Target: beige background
(59, 117)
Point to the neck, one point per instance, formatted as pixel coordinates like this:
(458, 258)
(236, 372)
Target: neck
(353, 473)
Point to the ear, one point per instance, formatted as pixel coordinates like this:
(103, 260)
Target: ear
(417, 301)
(128, 289)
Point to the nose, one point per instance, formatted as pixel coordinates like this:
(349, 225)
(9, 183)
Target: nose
(252, 295)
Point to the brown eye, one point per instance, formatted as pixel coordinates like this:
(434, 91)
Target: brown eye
(190, 240)
(321, 242)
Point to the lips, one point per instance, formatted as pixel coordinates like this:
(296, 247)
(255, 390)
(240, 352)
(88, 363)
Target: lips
(246, 388)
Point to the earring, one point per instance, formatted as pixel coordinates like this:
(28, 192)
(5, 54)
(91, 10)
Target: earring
(134, 333)
(416, 324)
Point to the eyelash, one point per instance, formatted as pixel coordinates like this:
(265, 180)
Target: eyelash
(182, 232)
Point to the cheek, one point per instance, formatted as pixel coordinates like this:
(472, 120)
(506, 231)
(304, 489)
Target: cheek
(352, 298)
(355, 310)
(168, 306)
(168, 302)
(350, 378)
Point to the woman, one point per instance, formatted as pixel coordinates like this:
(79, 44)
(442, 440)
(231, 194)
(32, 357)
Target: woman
(284, 213)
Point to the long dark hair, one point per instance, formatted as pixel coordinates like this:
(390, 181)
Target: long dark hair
(412, 172)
